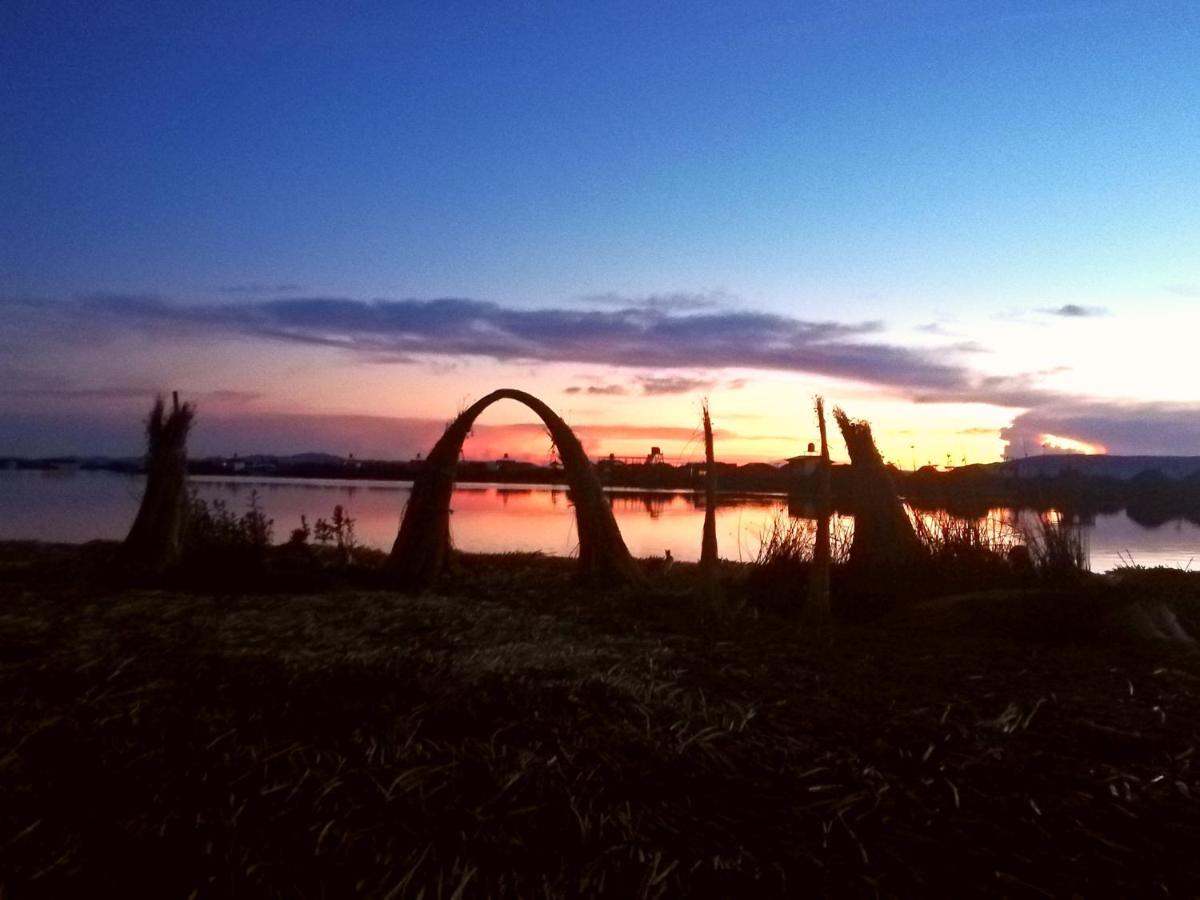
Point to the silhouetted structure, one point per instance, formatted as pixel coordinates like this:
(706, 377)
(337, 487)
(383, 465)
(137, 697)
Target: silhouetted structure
(155, 541)
(883, 533)
(422, 548)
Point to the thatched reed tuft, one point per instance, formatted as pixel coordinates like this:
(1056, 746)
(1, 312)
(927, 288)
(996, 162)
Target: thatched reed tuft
(883, 533)
(422, 549)
(155, 541)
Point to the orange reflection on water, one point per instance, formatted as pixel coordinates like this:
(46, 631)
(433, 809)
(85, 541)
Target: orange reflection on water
(82, 506)
(495, 519)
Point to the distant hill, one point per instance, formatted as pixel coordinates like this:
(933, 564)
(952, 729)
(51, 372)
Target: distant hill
(328, 459)
(1095, 466)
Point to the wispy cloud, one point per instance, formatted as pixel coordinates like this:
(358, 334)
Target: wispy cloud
(403, 330)
(1191, 291)
(1019, 390)
(1075, 311)
(601, 390)
(139, 392)
(673, 384)
(673, 301)
(257, 288)
(660, 385)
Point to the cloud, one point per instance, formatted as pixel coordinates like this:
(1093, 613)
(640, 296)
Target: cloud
(1124, 428)
(1191, 291)
(1019, 390)
(674, 301)
(256, 288)
(602, 390)
(660, 385)
(231, 396)
(406, 330)
(978, 430)
(1075, 311)
(672, 384)
(126, 392)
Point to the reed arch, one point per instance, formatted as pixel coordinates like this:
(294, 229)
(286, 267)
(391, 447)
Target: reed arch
(422, 548)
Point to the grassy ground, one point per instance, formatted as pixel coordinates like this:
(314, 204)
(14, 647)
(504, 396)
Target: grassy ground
(520, 738)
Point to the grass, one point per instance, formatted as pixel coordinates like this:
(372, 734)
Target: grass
(516, 735)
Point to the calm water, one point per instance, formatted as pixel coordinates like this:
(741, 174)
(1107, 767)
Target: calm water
(81, 506)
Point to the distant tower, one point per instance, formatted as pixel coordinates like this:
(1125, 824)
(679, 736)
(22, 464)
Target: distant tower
(812, 448)
(656, 456)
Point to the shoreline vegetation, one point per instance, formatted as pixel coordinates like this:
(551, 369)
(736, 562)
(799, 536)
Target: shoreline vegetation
(922, 706)
(1152, 490)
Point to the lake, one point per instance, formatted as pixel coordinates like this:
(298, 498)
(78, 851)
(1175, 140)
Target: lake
(78, 506)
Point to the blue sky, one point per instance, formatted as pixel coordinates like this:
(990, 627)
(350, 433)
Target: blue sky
(912, 165)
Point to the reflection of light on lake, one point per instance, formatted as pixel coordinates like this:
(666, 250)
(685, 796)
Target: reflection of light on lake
(80, 506)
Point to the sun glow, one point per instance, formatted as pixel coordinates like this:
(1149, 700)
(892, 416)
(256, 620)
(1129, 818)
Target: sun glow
(1055, 443)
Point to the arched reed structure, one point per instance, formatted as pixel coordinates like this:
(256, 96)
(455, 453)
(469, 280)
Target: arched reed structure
(422, 547)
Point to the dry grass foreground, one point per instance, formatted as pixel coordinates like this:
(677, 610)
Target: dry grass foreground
(525, 738)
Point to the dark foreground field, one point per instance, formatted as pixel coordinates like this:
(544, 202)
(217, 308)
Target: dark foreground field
(521, 738)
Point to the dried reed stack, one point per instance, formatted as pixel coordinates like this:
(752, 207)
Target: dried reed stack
(817, 616)
(422, 549)
(155, 540)
(883, 534)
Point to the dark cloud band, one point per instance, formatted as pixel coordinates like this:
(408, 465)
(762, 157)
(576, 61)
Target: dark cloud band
(635, 336)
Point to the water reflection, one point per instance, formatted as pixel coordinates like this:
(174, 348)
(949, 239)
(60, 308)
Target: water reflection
(81, 506)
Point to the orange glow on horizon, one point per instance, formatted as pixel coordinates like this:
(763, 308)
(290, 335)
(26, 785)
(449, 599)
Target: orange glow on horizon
(1053, 442)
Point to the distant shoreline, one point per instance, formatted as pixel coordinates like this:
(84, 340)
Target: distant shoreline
(1153, 490)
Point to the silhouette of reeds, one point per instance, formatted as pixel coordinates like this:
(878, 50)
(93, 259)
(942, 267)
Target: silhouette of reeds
(154, 542)
(786, 545)
(883, 534)
(949, 539)
(1057, 547)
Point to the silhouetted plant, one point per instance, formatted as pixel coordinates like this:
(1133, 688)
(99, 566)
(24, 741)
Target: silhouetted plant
(1057, 547)
(948, 539)
(300, 536)
(337, 530)
(216, 535)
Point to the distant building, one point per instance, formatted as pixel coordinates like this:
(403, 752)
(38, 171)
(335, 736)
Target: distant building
(805, 464)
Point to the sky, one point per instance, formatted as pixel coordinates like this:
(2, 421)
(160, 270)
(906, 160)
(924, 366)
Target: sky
(334, 226)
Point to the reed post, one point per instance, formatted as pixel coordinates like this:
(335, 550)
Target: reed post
(817, 618)
(710, 587)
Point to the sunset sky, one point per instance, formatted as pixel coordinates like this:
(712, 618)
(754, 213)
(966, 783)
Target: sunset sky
(333, 226)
